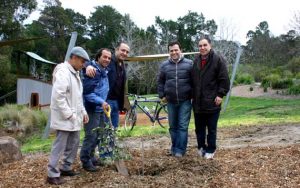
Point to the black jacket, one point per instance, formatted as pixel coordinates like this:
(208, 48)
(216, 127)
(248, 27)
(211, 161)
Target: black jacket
(175, 80)
(209, 83)
(112, 79)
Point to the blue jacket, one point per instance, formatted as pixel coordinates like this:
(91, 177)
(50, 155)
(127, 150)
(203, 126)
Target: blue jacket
(95, 90)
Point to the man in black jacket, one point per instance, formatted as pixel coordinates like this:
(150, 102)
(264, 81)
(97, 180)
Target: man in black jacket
(117, 79)
(174, 86)
(210, 85)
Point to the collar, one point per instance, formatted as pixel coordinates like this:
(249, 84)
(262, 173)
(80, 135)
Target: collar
(70, 67)
(180, 58)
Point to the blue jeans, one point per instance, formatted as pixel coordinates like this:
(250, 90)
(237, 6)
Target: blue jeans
(203, 120)
(90, 142)
(114, 112)
(179, 118)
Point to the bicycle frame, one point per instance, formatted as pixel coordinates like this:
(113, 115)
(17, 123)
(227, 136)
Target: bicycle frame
(150, 116)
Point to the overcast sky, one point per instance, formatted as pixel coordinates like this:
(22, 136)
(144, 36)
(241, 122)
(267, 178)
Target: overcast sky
(241, 15)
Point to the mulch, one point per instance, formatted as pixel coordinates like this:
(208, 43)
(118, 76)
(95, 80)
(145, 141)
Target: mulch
(244, 167)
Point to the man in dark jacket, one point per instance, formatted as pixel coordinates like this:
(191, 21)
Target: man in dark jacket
(210, 85)
(117, 80)
(174, 86)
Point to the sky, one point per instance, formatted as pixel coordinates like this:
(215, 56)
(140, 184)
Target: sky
(238, 16)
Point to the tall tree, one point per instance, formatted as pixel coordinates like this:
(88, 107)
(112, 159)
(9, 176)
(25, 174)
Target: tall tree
(56, 23)
(261, 47)
(105, 27)
(191, 27)
(186, 30)
(12, 15)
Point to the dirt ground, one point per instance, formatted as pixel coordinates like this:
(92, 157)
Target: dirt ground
(256, 156)
(244, 91)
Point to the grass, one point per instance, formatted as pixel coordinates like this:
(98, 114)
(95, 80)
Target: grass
(249, 111)
(240, 112)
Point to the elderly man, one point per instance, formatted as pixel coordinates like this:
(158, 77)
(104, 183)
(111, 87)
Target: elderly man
(67, 115)
(175, 87)
(117, 80)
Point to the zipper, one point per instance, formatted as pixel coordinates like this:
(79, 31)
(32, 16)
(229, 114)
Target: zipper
(177, 84)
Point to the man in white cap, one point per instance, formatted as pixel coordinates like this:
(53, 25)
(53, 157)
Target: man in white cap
(67, 115)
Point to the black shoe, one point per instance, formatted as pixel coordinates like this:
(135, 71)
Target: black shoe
(69, 173)
(90, 168)
(55, 180)
(98, 163)
(169, 153)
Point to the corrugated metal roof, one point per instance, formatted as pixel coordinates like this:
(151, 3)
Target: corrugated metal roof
(39, 58)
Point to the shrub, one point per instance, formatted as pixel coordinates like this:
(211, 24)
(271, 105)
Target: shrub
(294, 65)
(282, 83)
(244, 79)
(268, 80)
(29, 120)
(287, 74)
(297, 76)
(294, 90)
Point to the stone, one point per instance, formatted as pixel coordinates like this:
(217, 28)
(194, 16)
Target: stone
(10, 150)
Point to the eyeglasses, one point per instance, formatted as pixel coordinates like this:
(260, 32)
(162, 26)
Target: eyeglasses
(204, 45)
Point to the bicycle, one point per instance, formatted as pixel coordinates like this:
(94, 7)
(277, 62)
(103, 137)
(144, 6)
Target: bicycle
(159, 114)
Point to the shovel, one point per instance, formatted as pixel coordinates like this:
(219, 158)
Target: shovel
(120, 165)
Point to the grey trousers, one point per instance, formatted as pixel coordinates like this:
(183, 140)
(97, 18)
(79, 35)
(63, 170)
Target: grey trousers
(66, 143)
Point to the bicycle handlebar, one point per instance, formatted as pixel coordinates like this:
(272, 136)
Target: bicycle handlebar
(137, 96)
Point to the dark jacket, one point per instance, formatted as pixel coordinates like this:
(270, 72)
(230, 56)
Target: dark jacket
(174, 80)
(112, 78)
(209, 82)
(95, 89)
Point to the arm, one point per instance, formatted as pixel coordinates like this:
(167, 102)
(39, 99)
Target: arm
(93, 98)
(161, 80)
(59, 93)
(90, 70)
(223, 79)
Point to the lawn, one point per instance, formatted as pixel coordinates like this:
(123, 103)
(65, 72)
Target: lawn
(240, 112)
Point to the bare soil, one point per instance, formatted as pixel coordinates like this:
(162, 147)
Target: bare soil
(256, 156)
(258, 91)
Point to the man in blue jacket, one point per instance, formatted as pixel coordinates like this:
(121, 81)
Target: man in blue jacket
(117, 80)
(95, 91)
(175, 87)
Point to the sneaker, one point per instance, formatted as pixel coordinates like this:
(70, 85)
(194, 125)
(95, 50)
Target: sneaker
(209, 155)
(178, 155)
(201, 152)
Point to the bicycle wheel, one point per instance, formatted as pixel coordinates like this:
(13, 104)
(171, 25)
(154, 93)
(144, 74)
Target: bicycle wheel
(162, 116)
(130, 119)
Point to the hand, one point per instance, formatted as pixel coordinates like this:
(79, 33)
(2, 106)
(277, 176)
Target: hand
(90, 71)
(105, 105)
(218, 100)
(164, 100)
(85, 119)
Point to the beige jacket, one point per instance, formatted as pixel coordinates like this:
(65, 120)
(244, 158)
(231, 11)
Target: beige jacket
(66, 99)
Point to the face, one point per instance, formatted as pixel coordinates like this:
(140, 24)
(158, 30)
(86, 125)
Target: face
(204, 47)
(105, 58)
(122, 52)
(77, 62)
(174, 52)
